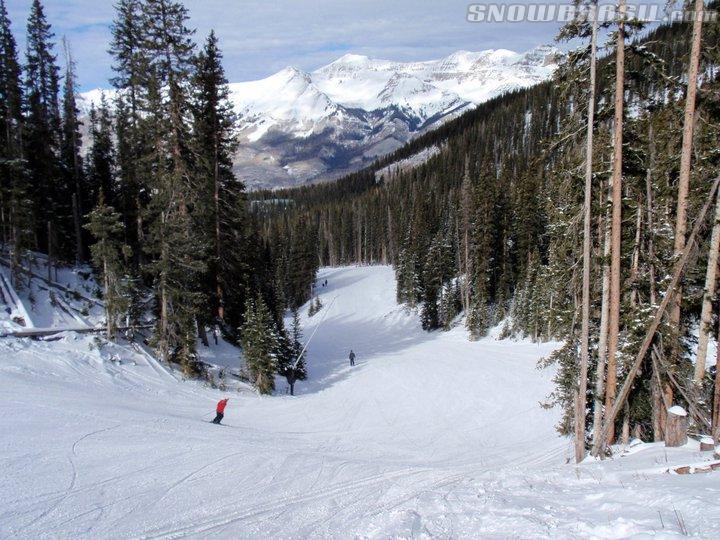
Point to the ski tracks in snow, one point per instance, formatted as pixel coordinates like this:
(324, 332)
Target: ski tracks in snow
(73, 478)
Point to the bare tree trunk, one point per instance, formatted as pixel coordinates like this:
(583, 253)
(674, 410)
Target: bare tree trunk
(635, 264)
(581, 406)
(109, 322)
(716, 399)
(626, 426)
(50, 250)
(216, 197)
(78, 228)
(616, 232)
(685, 162)
(708, 296)
(602, 339)
(659, 410)
(164, 311)
(610, 415)
(676, 427)
(651, 243)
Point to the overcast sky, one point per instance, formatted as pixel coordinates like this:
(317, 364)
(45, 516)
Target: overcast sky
(260, 37)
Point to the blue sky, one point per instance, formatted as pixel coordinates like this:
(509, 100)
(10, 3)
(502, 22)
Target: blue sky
(260, 37)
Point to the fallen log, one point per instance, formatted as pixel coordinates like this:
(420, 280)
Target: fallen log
(53, 284)
(42, 332)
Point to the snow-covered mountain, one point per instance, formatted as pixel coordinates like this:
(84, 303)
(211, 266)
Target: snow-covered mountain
(298, 126)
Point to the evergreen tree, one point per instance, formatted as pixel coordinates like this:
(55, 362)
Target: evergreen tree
(100, 173)
(174, 241)
(16, 208)
(42, 133)
(260, 343)
(290, 364)
(132, 129)
(221, 209)
(69, 209)
(109, 256)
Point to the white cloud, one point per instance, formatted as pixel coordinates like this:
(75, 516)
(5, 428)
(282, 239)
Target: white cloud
(259, 37)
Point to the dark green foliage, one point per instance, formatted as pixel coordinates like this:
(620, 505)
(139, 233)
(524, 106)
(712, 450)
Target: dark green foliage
(42, 128)
(100, 173)
(110, 256)
(566, 361)
(18, 223)
(290, 364)
(260, 344)
(68, 215)
(221, 206)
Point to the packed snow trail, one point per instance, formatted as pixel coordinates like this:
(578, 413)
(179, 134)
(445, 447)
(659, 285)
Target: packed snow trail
(429, 435)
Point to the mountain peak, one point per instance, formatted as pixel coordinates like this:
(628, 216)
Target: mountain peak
(350, 58)
(291, 72)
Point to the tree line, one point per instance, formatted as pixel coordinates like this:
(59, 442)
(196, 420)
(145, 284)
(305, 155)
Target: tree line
(149, 198)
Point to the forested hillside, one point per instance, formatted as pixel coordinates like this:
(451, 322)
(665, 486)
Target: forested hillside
(153, 204)
(491, 226)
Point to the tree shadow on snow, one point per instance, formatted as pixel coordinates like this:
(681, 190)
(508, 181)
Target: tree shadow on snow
(370, 339)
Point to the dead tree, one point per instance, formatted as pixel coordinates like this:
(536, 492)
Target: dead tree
(581, 405)
(686, 158)
(616, 225)
(708, 296)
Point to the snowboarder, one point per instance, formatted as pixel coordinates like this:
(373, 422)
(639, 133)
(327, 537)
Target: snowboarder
(352, 357)
(220, 409)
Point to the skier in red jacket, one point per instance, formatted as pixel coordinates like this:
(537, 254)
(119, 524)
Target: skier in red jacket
(220, 409)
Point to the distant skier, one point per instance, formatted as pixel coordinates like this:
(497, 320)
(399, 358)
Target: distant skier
(220, 409)
(352, 358)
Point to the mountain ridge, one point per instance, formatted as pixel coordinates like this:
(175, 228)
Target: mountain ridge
(298, 126)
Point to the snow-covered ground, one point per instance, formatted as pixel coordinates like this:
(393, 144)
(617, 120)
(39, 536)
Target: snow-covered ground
(429, 435)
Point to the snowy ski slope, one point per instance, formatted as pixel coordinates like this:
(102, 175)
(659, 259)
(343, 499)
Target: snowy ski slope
(428, 436)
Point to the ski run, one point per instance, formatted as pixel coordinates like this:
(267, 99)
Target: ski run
(430, 435)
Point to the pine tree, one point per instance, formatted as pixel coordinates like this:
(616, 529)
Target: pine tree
(109, 256)
(69, 209)
(221, 210)
(42, 133)
(574, 29)
(686, 159)
(260, 342)
(100, 170)
(131, 67)
(291, 364)
(174, 241)
(16, 210)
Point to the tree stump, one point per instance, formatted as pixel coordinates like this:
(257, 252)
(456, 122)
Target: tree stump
(707, 444)
(676, 427)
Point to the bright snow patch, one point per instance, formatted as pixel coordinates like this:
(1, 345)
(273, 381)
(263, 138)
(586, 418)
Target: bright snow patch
(677, 410)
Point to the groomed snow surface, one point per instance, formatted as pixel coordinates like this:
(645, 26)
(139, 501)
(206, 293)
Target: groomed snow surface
(428, 436)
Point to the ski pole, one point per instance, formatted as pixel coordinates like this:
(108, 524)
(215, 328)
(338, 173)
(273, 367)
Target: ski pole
(297, 360)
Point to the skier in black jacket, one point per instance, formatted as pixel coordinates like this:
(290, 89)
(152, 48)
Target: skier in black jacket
(352, 358)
